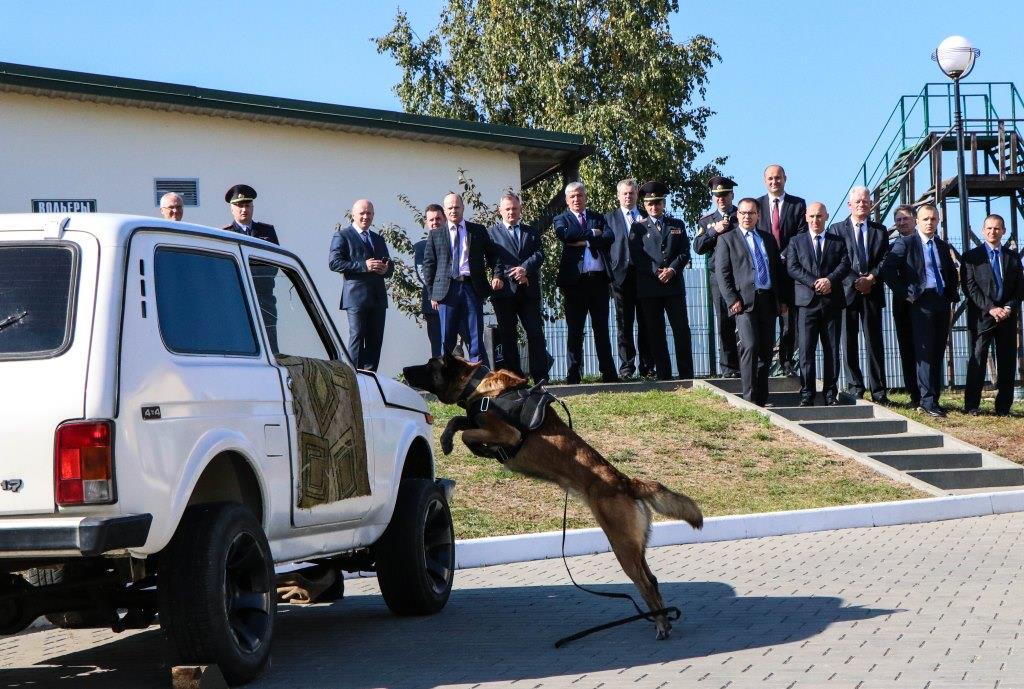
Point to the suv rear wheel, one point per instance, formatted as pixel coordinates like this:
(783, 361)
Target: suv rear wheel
(217, 590)
(416, 555)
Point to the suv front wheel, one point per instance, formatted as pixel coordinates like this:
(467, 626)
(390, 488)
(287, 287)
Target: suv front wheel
(217, 590)
(416, 555)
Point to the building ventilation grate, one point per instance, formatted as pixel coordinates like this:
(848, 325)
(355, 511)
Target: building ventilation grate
(188, 189)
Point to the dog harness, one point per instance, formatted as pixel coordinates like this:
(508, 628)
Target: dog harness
(521, 407)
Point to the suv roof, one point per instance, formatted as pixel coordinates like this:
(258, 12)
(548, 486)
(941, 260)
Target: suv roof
(113, 229)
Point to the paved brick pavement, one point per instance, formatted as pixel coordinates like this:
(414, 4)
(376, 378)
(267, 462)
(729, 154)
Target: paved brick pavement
(927, 605)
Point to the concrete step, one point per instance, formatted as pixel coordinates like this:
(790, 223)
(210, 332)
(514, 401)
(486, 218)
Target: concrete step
(819, 413)
(792, 399)
(855, 427)
(914, 460)
(983, 477)
(778, 384)
(889, 443)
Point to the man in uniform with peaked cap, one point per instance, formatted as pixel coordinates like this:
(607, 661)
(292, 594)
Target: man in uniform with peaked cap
(240, 198)
(710, 227)
(660, 249)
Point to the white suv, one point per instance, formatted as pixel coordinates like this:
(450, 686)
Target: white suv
(178, 416)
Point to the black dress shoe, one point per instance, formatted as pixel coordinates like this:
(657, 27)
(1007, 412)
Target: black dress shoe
(883, 400)
(937, 413)
(610, 379)
(807, 402)
(831, 401)
(973, 412)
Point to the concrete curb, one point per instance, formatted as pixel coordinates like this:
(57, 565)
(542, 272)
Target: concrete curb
(498, 550)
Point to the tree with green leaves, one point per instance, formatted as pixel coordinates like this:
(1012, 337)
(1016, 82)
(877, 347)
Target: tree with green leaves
(608, 70)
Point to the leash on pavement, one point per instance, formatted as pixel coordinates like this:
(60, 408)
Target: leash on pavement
(672, 613)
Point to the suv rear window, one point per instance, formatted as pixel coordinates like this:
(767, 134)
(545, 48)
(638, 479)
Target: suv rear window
(201, 304)
(37, 290)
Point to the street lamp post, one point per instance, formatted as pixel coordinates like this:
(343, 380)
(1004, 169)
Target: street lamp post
(956, 57)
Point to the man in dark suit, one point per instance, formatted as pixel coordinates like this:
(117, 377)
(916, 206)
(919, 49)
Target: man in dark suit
(623, 285)
(867, 242)
(904, 219)
(660, 250)
(993, 284)
(433, 219)
(240, 198)
(711, 227)
(362, 257)
(920, 270)
(783, 216)
(749, 273)
(583, 276)
(514, 255)
(818, 261)
(453, 267)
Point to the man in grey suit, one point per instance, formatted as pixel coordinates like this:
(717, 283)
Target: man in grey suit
(454, 271)
(867, 243)
(749, 273)
(623, 285)
(362, 257)
(433, 218)
(514, 255)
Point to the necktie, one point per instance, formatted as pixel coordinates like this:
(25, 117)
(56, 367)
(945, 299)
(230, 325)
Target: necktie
(817, 251)
(457, 254)
(862, 251)
(760, 264)
(516, 238)
(997, 274)
(936, 273)
(633, 215)
(367, 241)
(776, 228)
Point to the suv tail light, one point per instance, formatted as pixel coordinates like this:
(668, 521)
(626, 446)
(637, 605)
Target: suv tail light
(84, 463)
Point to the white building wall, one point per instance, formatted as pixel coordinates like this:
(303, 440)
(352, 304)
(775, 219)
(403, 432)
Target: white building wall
(306, 178)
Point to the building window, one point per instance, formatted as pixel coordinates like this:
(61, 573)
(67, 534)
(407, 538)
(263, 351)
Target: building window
(187, 189)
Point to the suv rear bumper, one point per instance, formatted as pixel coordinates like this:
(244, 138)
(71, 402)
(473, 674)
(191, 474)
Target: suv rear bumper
(84, 536)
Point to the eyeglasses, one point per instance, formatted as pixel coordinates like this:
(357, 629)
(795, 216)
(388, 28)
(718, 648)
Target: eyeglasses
(746, 212)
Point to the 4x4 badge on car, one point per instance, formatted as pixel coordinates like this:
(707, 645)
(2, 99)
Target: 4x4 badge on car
(12, 484)
(150, 413)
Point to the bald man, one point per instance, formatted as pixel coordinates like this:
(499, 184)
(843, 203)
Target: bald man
(362, 257)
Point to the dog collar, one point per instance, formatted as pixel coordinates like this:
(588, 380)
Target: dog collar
(472, 384)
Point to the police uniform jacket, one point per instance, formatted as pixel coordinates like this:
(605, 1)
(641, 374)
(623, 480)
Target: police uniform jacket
(259, 230)
(707, 235)
(652, 248)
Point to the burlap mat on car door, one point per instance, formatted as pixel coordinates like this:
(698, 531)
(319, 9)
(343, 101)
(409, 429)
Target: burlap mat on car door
(329, 426)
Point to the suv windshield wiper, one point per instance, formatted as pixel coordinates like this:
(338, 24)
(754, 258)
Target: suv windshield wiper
(12, 319)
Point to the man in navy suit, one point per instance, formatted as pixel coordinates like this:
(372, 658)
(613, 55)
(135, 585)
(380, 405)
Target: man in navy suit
(623, 285)
(433, 218)
(920, 270)
(993, 283)
(818, 261)
(749, 273)
(454, 270)
(660, 250)
(583, 276)
(867, 243)
(514, 255)
(712, 226)
(782, 215)
(904, 218)
(362, 257)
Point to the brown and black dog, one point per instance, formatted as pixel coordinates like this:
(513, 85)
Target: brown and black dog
(555, 453)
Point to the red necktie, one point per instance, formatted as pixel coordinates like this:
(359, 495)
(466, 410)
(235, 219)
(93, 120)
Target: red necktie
(775, 222)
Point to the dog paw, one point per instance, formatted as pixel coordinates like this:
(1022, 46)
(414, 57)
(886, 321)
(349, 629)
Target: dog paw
(664, 633)
(447, 443)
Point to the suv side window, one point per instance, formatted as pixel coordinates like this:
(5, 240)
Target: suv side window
(293, 326)
(201, 304)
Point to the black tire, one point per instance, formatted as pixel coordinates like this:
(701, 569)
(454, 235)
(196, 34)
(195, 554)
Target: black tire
(416, 555)
(216, 588)
(72, 619)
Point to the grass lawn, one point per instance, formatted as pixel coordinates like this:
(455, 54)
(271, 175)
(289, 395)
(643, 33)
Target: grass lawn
(1003, 435)
(731, 461)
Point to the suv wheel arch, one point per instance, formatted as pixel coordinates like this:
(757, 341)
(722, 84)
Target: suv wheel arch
(229, 478)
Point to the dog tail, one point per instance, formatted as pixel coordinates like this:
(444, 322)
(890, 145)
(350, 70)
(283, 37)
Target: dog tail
(668, 502)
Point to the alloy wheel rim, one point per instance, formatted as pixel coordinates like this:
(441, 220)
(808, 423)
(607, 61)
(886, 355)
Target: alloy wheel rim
(247, 596)
(438, 547)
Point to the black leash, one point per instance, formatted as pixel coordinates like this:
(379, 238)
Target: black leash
(672, 613)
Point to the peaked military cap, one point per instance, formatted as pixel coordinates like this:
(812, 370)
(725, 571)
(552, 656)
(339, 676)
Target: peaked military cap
(240, 193)
(721, 185)
(653, 191)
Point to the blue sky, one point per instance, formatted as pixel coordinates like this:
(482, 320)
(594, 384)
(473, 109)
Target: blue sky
(803, 83)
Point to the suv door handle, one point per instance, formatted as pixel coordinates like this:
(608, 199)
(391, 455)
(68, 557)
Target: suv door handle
(288, 382)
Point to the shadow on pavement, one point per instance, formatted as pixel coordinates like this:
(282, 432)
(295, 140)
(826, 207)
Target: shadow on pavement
(483, 635)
